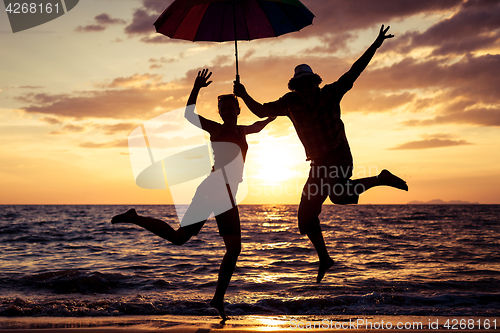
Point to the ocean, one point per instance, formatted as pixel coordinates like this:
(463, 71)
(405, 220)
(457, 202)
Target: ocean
(415, 260)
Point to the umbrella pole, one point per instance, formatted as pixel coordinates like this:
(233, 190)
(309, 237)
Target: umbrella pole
(235, 42)
(236, 54)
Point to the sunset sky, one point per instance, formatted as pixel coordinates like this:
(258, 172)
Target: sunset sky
(427, 107)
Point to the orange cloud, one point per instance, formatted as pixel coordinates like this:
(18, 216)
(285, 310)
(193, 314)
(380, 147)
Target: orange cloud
(134, 80)
(112, 144)
(374, 101)
(117, 128)
(126, 103)
(137, 96)
(430, 143)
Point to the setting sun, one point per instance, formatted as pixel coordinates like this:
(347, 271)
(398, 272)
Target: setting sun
(273, 162)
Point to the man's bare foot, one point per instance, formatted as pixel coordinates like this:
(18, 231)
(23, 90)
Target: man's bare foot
(219, 305)
(323, 267)
(128, 217)
(387, 178)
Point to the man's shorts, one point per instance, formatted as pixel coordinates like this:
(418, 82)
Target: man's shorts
(328, 177)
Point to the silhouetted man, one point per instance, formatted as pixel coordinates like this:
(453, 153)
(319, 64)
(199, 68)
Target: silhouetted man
(315, 114)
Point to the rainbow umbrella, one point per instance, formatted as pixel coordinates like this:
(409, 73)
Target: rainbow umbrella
(228, 20)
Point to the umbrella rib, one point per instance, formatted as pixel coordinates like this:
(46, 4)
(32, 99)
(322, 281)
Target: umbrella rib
(246, 24)
(282, 7)
(222, 25)
(304, 16)
(177, 27)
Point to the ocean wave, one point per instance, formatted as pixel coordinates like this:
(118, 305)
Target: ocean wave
(369, 304)
(75, 281)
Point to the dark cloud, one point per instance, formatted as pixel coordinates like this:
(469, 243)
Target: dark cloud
(105, 19)
(102, 22)
(333, 43)
(473, 27)
(142, 23)
(347, 15)
(465, 91)
(158, 6)
(476, 77)
(90, 28)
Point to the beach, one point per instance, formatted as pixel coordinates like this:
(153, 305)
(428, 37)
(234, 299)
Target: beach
(186, 324)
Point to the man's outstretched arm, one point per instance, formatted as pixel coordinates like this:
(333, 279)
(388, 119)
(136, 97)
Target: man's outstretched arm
(257, 109)
(359, 66)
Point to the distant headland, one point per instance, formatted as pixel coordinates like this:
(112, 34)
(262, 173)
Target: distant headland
(441, 202)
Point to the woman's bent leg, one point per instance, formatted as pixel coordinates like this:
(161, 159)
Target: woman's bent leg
(158, 227)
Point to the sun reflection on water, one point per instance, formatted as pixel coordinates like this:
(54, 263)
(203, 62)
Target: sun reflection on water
(270, 323)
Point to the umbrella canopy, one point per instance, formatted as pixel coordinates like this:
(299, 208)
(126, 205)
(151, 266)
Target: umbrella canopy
(218, 20)
(232, 20)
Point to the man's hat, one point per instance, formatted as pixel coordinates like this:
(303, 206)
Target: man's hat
(302, 70)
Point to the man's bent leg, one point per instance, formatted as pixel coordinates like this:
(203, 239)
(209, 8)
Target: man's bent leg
(385, 178)
(325, 261)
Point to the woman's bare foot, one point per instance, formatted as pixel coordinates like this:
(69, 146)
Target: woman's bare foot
(323, 267)
(219, 305)
(387, 178)
(128, 217)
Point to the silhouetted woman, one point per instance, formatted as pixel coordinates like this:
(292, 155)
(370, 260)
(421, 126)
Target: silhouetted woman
(230, 147)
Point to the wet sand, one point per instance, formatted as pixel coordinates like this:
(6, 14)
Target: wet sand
(205, 324)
